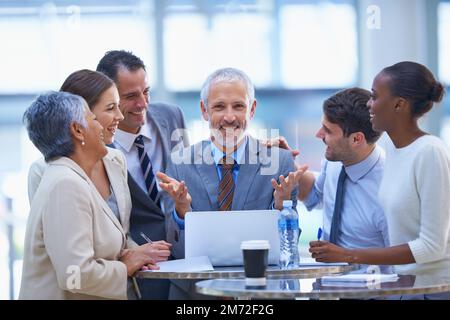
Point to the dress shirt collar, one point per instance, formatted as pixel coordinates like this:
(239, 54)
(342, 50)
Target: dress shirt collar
(126, 139)
(359, 170)
(236, 155)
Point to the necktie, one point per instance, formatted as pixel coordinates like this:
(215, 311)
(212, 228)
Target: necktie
(336, 222)
(147, 171)
(226, 185)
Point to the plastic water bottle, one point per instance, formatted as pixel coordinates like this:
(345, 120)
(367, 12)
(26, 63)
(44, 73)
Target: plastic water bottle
(289, 232)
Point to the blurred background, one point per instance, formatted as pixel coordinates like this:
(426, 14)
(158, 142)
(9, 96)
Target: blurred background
(297, 52)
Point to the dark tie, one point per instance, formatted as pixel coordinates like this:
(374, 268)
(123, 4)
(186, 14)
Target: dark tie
(226, 185)
(337, 213)
(147, 170)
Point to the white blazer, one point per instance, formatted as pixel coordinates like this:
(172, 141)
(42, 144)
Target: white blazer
(73, 240)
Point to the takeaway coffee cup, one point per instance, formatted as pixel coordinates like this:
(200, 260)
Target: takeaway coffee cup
(256, 254)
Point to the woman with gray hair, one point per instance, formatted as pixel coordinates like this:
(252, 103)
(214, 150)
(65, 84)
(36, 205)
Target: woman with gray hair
(74, 245)
(109, 175)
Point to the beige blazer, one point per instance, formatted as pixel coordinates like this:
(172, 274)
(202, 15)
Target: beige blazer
(116, 168)
(73, 240)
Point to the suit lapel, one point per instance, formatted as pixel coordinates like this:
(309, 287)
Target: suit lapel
(208, 173)
(247, 173)
(106, 209)
(116, 182)
(139, 194)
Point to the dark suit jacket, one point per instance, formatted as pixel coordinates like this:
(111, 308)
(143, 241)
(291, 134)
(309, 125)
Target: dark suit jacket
(146, 216)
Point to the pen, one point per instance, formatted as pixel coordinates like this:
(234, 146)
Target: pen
(136, 287)
(146, 238)
(319, 234)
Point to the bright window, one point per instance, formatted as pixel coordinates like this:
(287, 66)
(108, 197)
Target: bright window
(297, 44)
(194, 47)
(40, 50)
(318, 45)
(444, 43)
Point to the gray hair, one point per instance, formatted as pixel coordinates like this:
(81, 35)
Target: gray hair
(48, 120)
(227, 75)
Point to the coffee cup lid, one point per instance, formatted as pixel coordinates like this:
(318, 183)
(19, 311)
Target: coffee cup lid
(255, 244)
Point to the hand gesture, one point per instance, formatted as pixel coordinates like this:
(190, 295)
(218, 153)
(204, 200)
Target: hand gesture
(281, 143)
(283, 190)
(178, 191)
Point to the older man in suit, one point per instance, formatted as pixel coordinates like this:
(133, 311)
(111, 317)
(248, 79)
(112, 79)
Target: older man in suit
(147, 136)
(231, 170)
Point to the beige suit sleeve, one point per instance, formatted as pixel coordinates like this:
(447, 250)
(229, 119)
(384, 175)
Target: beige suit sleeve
(68, 237)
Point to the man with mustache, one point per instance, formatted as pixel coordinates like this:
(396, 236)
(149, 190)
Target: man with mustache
(229, 171)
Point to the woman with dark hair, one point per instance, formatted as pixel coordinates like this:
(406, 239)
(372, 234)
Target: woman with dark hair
(415, 188)
(102, 97)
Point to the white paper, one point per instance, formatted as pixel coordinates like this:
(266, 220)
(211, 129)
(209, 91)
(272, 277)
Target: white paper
(358, 280)
(193, 264)
(311, 262)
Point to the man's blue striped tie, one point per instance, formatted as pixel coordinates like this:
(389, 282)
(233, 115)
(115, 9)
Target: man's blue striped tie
(147, 170)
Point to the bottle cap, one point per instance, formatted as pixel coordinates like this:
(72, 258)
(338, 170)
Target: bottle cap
(287, 203)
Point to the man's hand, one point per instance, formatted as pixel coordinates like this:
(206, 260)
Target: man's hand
(283, 190)
(281, 143)
(157, 250)
(178, 191)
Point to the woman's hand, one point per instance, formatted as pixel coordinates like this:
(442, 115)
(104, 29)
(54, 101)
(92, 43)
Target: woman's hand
(150, 266)
(135, 260)
(324, 251)
(157, 250)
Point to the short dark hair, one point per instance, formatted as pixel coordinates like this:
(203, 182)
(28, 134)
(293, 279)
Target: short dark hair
(348, 109)
(88, 84)
(115, 59)
(415, 83)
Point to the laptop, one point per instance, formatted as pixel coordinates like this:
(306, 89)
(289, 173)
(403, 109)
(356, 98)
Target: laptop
(219, 234)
